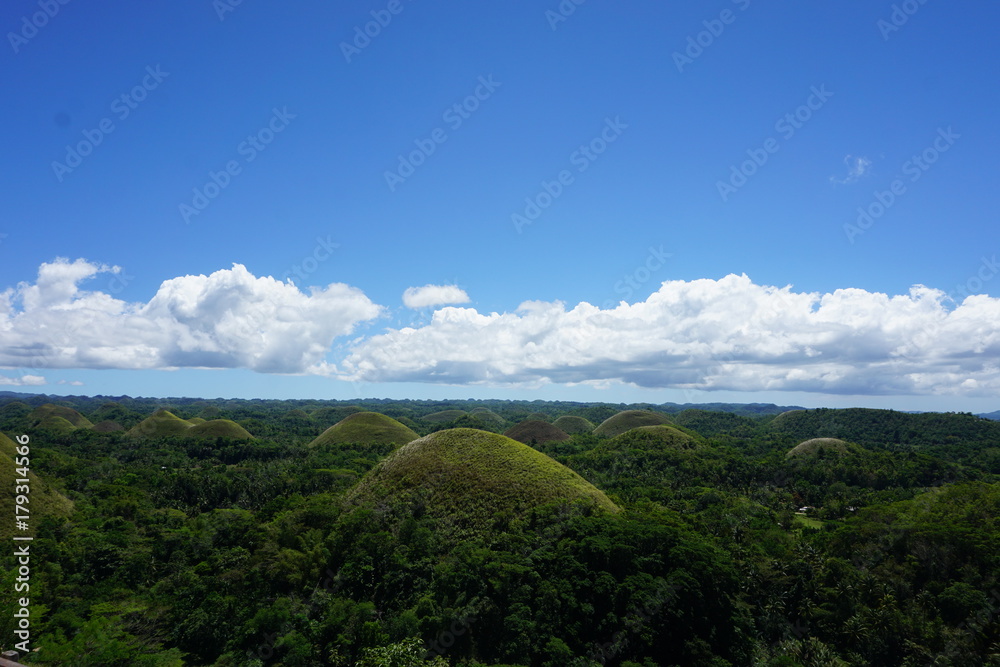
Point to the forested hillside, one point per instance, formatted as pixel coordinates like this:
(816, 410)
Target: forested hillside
(396, 533)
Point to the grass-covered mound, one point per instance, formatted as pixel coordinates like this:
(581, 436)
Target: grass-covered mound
(786, 416)
(45, 412)
(534, 432)
(43, 500)
(368, 428)
(55, 424)
(108, 426)
(7, 446)
(161, 423)
(814, 446)
(219, 428)
(662, 435)
(487, 416)
(629, 419)
(444, 416)
(465, 478)
(572, 424)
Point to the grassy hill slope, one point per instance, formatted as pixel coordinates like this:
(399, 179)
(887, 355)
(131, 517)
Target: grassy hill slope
(572, 424)
(219, 428)
(161, 423)
(466, 479)
(534, 432)
(814, 446)
(661, 435)
(43, 500)
(50, 410)
(629, 419)
(366, 427)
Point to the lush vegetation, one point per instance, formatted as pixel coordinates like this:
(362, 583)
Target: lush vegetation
(742, 535)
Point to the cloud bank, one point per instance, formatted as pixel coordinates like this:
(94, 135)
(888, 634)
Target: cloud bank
(229, 319)
(727, 334)
(23, 381)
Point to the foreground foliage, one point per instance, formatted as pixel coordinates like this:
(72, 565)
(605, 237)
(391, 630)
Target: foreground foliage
(168, 550)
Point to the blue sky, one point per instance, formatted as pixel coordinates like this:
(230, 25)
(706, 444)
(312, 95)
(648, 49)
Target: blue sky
(645, 110)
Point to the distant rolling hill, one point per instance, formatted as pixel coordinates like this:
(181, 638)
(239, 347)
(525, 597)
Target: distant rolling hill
(572, 424)
(651, 437)
(487, 416)
(819, 446)
(219, 428)
(366, 427)
(629, 419)
(164, 423)
(534, 431)
(53, 416)
(161, 423)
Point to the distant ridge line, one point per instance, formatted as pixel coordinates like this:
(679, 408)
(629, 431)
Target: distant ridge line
(670, 407)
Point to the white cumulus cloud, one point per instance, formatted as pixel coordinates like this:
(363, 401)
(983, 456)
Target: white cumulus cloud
(23, 381)
(433, 295)
(229, 319)
(727, 334)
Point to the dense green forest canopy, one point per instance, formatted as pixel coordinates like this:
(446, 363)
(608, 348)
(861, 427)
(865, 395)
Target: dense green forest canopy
(229, 532)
